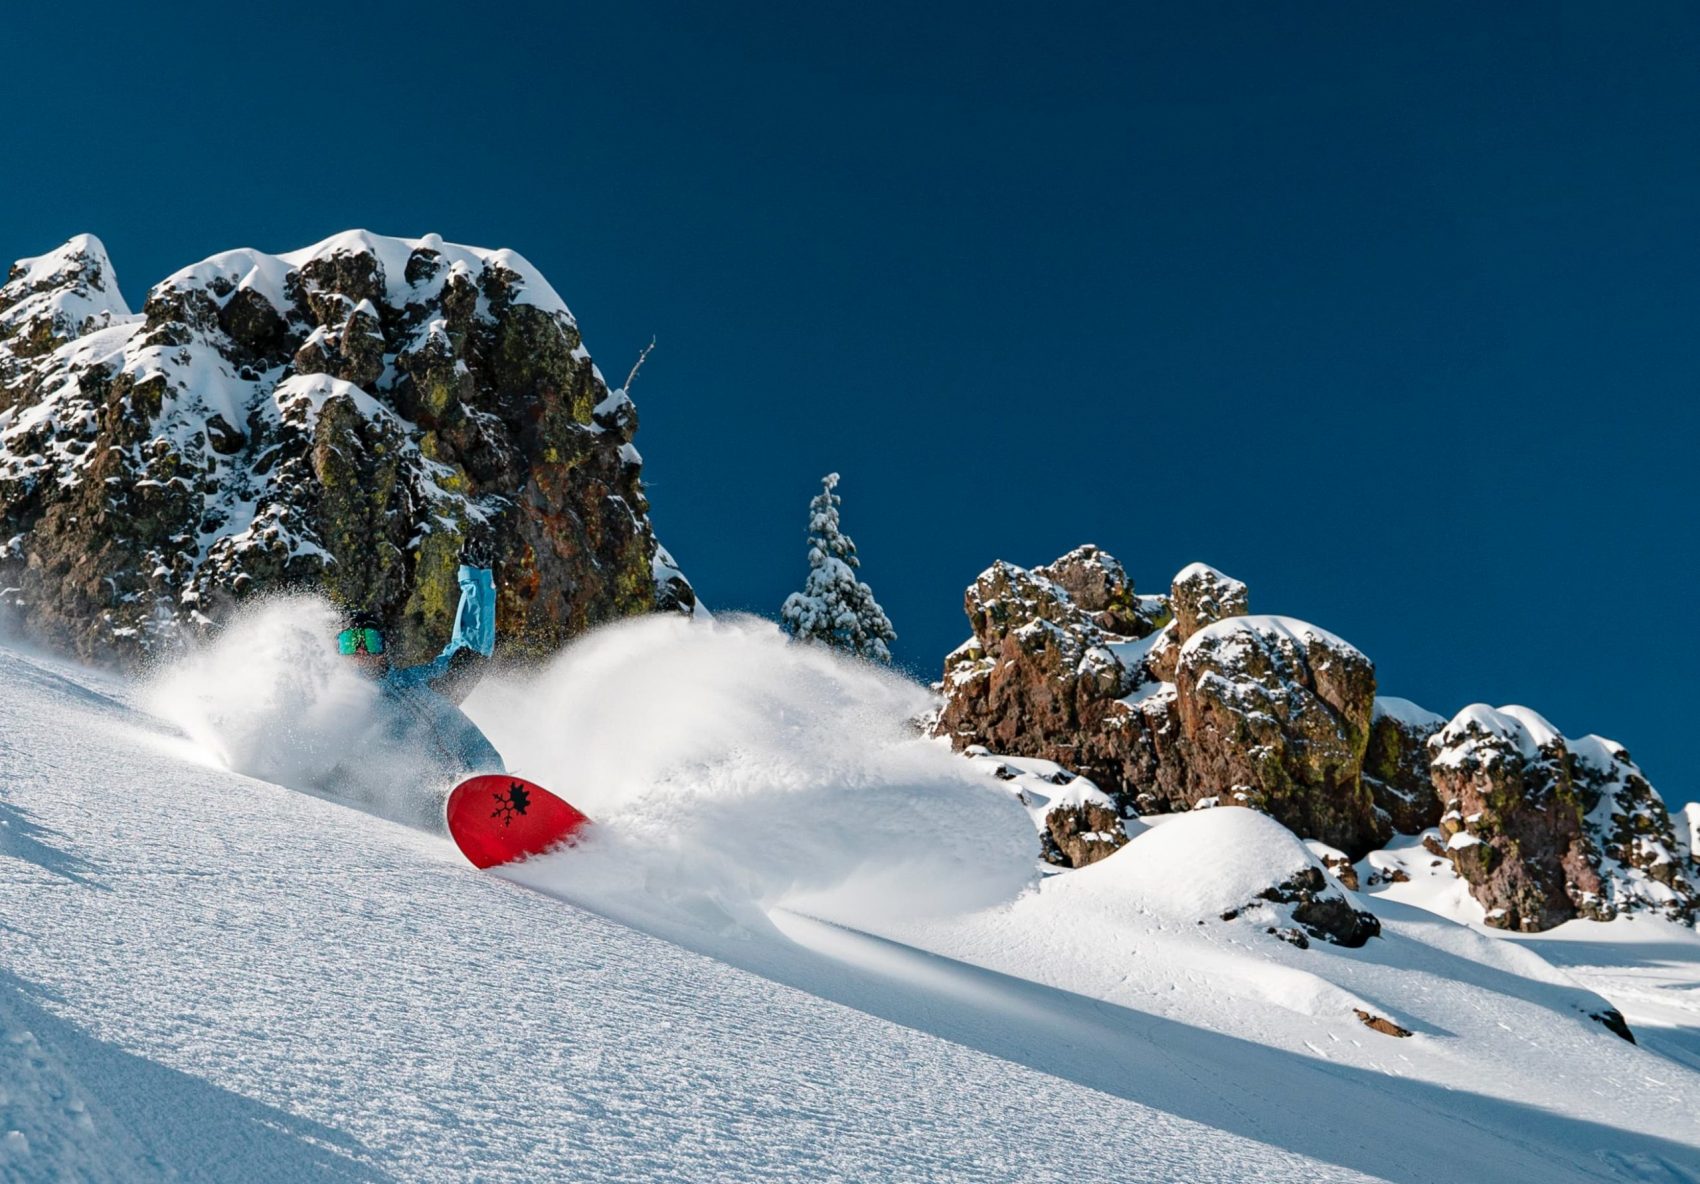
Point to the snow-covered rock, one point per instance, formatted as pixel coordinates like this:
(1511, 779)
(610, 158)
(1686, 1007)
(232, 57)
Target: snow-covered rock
(1638, 851)
(1686, 822)
(354, 415)
(1544, 828)
(63, 294)
(1275, 713)
(1201, 596)
(1055, 651)
(1513, 817)
(1263, 711)
(1078, 823)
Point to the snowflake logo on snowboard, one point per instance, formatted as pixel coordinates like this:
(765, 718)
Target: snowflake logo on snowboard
(515, 801)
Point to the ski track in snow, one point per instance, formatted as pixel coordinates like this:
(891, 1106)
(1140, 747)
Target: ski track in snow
(209, 977)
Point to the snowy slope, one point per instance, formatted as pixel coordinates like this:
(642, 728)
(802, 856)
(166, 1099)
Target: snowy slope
(205, 976)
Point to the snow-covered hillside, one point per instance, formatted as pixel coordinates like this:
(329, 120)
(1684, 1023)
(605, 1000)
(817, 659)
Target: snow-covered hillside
(803, 945)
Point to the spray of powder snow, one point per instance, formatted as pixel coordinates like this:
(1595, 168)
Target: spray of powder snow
(272, 698)
(722, 763)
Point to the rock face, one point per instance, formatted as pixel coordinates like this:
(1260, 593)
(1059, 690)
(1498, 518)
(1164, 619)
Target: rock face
(353, 416)
(1396, 764)
(1190, 702)
(1275, 713)
(1054, 650)
(1514, 818)
(1264, 711)
(1637, 848)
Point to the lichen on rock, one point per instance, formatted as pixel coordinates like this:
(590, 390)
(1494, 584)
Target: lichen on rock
(1396, 764)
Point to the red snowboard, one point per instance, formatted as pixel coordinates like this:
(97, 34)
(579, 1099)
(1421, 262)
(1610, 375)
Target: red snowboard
(496, 819)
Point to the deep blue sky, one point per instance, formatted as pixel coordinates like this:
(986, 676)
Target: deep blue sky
(1389, 311)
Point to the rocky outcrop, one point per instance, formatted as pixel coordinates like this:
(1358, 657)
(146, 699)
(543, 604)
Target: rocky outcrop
(1190, 702)
(1514, 818)
(1636, 848)
(1263, 711)
(354, 416)
(1396, 764)
(1054, 652)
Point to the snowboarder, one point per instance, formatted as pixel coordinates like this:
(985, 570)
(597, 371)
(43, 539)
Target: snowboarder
(421, 717)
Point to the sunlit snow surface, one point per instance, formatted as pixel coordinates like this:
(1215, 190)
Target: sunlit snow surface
(804, 944)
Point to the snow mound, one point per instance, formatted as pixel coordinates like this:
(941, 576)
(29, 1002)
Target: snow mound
(1190, 866)
(723, 763)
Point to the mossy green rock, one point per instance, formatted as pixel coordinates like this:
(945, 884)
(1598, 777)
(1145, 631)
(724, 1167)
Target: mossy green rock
(357, 418)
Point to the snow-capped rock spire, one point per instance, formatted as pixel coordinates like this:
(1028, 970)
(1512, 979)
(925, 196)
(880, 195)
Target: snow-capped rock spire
(356, 416)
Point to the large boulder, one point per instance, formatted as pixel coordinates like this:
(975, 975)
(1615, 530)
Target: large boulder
(1545, 828)
(1275, 714)
(355, 416)
(1514, 818)
(1054, 652)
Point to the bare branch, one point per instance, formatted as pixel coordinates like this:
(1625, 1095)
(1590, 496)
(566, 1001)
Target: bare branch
(638, 365)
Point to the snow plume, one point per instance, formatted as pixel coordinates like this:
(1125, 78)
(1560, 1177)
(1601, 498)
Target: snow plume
(273, 699)
(728, 769)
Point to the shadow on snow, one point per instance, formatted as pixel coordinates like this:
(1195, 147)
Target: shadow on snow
(170, 1125)
(1387, 1126)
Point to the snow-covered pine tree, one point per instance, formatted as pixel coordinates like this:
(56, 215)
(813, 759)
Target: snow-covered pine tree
(835, 608)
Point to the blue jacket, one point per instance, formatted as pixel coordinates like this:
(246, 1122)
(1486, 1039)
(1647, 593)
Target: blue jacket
(425, 721)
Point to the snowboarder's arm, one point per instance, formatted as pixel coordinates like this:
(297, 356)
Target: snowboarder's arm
(474, 630)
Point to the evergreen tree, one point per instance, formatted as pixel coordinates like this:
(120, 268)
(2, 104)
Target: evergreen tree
(834, 607)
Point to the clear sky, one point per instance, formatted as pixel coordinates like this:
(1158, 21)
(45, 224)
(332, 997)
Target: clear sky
(1389, 311)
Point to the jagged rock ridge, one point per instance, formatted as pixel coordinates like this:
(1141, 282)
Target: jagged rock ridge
(1167, 708)
(353, 416)
(1193, 702)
